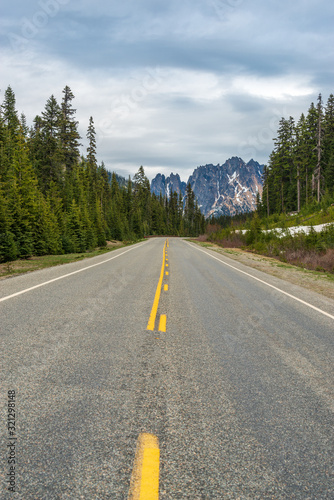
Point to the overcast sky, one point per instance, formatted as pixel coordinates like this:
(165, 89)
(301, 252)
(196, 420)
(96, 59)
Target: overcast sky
(174, 84)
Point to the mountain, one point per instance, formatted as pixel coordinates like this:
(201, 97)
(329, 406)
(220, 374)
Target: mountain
(166, 186)
(229, 188)
(220, 189)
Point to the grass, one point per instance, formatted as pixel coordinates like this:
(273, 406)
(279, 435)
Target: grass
(21, 266)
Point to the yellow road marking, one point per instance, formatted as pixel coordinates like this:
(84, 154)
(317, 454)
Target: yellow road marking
(162, 323)
(166, 288)
(167, 273)
(166, 265)
(144, 483)
(151, 321)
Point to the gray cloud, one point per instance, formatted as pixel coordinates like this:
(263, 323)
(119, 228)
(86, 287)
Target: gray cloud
(171, 84)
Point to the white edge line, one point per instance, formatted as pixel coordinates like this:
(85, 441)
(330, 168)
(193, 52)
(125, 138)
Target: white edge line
(66, 275)
(264, 282)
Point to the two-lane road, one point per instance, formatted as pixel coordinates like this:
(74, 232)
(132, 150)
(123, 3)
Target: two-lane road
(238, 391)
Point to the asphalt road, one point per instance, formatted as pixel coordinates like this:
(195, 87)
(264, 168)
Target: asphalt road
(238, 390)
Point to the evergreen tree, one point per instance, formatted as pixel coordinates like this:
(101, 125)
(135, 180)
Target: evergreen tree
(68, 133)
(142, 212)
(91, 150)
(23, 125)
(8, 247)
(282, 163)
(318, 177)
(190, 212)
(328, 146)
(311, 150)
(301, 162)
(9, 112)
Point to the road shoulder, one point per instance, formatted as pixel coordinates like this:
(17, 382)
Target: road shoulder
(311, 280)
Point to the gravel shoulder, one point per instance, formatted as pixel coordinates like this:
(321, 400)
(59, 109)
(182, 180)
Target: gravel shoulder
(319, 282)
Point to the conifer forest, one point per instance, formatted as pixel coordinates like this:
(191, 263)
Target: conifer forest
(54, 200)
(300, 170)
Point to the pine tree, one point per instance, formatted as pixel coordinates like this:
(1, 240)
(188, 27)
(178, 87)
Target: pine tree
(301, 161)
(23, 125)
(91, 150)
(46, 230)
(68, 133)
(22, 195)
(318, 177)
(282, 168)
(328, 145)
(311, 149)
(9, 112)
(142, 212)
(189, 211)
(8, 248)
(51, 169)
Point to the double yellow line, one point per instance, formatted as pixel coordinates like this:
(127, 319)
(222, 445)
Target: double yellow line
(144, 483)
(154, 310)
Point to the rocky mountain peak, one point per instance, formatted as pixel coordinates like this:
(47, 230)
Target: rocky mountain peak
(166, 186)
(224, 189)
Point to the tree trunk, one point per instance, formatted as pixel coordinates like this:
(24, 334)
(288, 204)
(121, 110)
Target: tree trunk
(306, 194)
(318, 168)
(282, 187)
(298, 190)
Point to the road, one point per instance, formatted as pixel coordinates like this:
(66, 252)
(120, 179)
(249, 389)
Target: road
(237, 392)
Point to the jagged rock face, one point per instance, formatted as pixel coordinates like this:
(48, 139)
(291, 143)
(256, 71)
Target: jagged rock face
(166, 186)
(229, 188)
(220, 189)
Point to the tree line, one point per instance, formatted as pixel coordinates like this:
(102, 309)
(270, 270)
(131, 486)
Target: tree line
(300, 170)
(55, 200)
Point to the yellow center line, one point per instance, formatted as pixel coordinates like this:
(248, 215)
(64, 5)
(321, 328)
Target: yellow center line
(162, 323)
(166, 288)
(154, 310)
(144, 483)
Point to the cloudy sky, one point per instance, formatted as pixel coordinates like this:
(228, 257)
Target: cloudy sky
(173, 84)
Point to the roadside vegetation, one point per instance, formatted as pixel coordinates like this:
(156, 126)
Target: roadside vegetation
(270, 236)
(298, 190)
